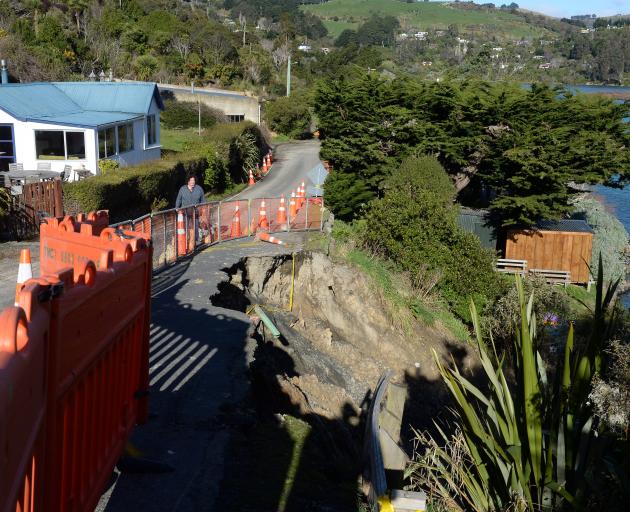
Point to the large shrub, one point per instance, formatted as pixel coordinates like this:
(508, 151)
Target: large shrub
(289, 115)
(610, 238)
(185, 114)
(499, 319)
(415, 226)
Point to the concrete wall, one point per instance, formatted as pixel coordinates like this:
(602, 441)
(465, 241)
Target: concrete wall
(228, 102)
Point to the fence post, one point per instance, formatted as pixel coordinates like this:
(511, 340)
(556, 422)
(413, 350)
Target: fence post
(195, 234)
(164, 239)
(219, 222)
(176, 238)
(321, 216)
(249, 217)
(58, 199)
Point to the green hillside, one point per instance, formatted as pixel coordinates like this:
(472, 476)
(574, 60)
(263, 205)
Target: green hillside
(338, 15)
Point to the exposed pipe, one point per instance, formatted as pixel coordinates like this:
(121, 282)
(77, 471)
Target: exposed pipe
(267, 321)
(4, 74)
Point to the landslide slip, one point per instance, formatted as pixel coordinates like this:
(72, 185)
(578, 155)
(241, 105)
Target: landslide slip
(339, 337)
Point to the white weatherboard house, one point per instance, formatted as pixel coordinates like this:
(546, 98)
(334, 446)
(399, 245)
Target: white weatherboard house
(79, 123)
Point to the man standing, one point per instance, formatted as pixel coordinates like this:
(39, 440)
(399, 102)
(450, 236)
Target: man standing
(190, 194)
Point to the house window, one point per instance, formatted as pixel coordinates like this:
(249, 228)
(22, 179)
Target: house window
(59, 145)
(151, 130)
(106, 142)
(236, 118)
(75, 145)
(125, 137)
(7, 150)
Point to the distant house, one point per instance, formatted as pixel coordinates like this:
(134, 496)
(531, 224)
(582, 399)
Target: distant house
(79, 123)
(544, 65)
(304, 48)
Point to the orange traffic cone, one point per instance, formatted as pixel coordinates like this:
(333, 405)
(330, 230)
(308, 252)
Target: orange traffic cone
(25, 272)
(268, 161)
(281, 218)
(265, 169)
(263, 223)
(270, 156)
(251, 178)
(265, 237)
(253, 227)
(181, 234)
(236, 223)
(292, 207)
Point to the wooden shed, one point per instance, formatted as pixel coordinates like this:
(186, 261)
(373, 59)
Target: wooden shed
(554, 245)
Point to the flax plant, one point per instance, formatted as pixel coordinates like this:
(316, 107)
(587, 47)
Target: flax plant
(529, 441)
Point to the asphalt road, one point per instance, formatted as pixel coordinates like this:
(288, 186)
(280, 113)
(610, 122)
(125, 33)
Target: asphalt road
(198, 369)
(198, 366)
(291, 163)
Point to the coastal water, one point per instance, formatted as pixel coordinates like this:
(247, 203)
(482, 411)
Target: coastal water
(617, 201)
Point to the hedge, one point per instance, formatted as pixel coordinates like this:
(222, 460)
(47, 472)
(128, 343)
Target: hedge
(131, 192)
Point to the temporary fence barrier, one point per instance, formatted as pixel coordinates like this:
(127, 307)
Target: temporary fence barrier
(213, 222)
(93, 373)
(23, 345)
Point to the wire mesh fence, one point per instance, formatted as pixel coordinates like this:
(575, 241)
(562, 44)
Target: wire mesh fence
(176, 233)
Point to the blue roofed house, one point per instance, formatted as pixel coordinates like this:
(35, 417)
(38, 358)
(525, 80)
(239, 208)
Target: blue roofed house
(79, 123)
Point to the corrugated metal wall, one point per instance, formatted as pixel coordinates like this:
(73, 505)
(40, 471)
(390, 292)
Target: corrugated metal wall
(474, 221)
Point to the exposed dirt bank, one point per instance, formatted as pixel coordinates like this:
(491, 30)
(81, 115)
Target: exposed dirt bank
(340, 335)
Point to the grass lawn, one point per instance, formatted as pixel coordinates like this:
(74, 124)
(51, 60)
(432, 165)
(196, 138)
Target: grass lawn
(228, 192)
(421, 15)
(174, 140)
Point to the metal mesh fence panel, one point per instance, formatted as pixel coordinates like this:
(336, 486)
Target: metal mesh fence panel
(170, 238)
(158, 239)
(215, 222)
(233, 222)
(207, 219)
(143, 225)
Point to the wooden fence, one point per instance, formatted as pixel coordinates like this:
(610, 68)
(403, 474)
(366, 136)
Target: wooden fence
(23, 216)
(552, 250)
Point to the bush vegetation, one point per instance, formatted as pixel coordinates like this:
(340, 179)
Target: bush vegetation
(532, 440)
(405, 301)
(185, 114)
(501, 317)
(485, 135)
(414, 225)
(290, 116)
(218, 160)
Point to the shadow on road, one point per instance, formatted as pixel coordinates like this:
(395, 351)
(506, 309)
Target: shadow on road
(196, 356)
(291, 458)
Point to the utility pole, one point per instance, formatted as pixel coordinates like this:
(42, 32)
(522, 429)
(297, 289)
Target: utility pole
(289, 76)
(192, 90)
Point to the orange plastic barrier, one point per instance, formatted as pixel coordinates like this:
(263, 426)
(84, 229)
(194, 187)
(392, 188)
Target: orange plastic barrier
(23, 344)
(93, 372)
